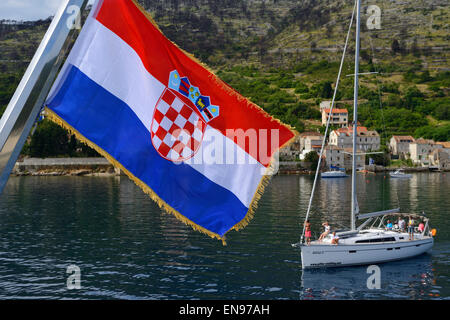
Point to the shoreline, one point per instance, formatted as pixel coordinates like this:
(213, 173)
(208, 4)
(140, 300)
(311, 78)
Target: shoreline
(101, 167)
(65, 167)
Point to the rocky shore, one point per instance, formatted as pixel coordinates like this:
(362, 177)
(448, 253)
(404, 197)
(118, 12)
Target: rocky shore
(297, 167)
(65, 167)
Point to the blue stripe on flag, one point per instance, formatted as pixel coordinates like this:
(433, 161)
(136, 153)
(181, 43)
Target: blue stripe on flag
(110, 124)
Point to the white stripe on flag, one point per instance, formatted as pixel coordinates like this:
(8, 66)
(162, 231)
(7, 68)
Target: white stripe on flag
(113, 64)
(222, 161)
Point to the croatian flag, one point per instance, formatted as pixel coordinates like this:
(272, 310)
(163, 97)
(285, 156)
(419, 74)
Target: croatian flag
(196, 146)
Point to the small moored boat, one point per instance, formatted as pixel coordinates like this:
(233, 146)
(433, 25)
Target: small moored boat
(400, 174)
(334, 174)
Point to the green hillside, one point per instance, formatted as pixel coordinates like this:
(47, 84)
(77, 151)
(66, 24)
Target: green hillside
(284, 55)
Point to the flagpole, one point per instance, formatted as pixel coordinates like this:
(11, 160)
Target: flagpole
(355, 116)
(27, 101)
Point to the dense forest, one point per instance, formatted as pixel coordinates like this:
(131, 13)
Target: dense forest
(284, 55)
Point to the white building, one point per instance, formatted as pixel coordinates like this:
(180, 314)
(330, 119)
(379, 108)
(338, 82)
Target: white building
(334, 156)
(366, 139)
(444, 145)
(348, 159)
(342, 158)
(399, 145)
(440, 158)
(420, 151)
(310, 141)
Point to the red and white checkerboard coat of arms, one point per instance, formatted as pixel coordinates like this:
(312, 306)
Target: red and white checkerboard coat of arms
(177, 130)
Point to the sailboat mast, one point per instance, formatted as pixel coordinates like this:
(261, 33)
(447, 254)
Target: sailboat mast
(355, 112)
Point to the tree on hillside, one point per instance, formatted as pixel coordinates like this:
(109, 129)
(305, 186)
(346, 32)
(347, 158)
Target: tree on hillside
(395, 46)
(322, 89)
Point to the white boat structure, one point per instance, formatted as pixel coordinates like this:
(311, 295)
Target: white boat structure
(400, 173)
(369, 243)
(334, 174)
(364, 246)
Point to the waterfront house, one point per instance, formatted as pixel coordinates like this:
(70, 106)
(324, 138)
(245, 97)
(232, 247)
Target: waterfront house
(348, 159)
(444, 145)
(334, 156)
(440, 159)
(399, 146)
(440, 156)
(366, 139)
(310, 141)
(420, 151)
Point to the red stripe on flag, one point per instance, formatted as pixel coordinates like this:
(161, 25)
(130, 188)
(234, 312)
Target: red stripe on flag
(160, 57)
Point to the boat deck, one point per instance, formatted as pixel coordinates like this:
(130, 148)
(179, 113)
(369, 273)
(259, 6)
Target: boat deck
(400, 237)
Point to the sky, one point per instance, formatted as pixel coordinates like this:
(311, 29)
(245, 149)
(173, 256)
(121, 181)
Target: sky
(28, 10)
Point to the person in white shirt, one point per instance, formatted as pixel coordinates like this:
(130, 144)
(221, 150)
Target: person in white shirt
(326, 232)
(401, 224)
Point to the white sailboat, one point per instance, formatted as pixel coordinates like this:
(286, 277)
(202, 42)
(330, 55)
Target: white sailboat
(371, 242)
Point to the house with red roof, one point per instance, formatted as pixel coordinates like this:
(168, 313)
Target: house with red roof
(366, 139)
(338, 117)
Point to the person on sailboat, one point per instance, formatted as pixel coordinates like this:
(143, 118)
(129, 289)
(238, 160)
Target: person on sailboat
(308, 232)
(411, 228)
(326, 232)
(401, 224)
(421, 227)
(389, 225)
(334, 238)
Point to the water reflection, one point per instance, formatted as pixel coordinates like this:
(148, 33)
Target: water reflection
(127, 248)
(409, 279)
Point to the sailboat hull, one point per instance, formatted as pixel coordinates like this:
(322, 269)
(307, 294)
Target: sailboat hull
(327, 255)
